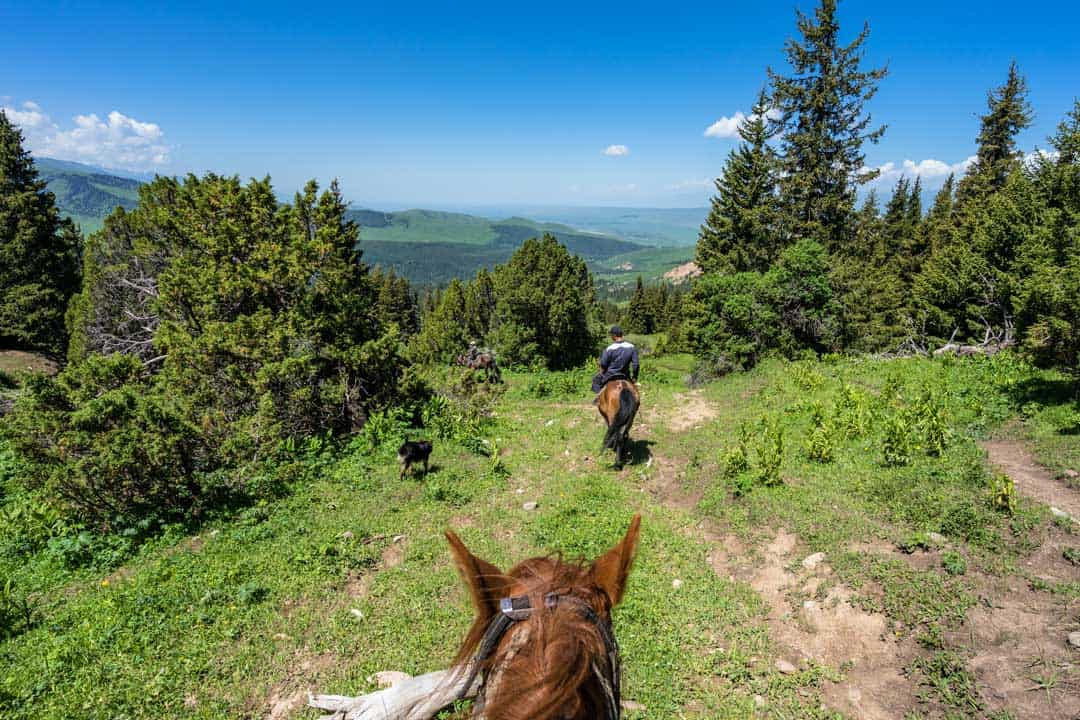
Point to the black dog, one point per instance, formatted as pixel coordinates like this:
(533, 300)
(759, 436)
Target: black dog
(413, 451)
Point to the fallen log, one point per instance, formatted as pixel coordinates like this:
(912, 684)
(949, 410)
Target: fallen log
(414, 698)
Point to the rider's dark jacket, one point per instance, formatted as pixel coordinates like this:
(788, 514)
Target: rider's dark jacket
(619, 358)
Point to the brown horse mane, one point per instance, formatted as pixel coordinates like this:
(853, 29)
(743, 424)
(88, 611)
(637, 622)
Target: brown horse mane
(551, 674)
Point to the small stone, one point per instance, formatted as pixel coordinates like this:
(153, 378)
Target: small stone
(347, 535)
(549, 423)
(1074, 639)
(520, 491)
(398, 538)
(358, 614)
(1059, 513)
(1071, 474)
(809, 605)
(676, 584)
(631, 706)
(530, 506)
(759, 702)
(813, 561)
(388, 678)
(785, 667)
(936, 538)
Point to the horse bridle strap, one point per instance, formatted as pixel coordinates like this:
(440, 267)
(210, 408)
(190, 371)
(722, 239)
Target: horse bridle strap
(515, 609)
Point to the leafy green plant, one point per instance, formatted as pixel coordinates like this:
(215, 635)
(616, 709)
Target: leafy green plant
(769, 454)
(953, 563)
(929, 414)
(736, 460)
(897, 443)
(17, 612)
(806, 378)
(852, 414)
(1003, 494)
(1072, 555)
(820, 444)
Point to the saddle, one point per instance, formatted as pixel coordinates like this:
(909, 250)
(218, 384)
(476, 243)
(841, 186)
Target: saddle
(599, 383)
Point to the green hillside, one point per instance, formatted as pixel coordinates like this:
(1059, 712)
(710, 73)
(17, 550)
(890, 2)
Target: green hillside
(87, 194)
(426, 246)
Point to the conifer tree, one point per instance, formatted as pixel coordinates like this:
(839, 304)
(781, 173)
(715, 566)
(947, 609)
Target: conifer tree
(1048, 305)
(871, 299)
(1007, 113)
(39, 253)
(639, 316)
(480, 305)
(741, 230)
(824, 128)
(896, 219)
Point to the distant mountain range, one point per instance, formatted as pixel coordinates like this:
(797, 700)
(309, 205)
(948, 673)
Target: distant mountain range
(429, 246)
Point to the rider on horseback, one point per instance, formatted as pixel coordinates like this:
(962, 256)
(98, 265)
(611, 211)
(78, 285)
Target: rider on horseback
(473, 353)
(619, 359)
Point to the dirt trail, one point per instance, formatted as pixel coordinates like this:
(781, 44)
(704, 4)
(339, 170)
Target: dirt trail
(812, 620)
(1032, 479)
(691, 411)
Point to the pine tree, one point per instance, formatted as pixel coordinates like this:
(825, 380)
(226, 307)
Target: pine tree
(1008, 112)
(938, 227)
(39, 253)
(871, 300)
(639, 316)
(896, 219)
(824, 126)
(545, 307)
(741, 230)
(1048, 304)
(480, 305)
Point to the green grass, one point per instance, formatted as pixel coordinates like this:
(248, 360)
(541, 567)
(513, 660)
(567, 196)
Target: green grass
(318, 590)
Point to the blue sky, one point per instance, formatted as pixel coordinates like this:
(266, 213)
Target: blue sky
(448, 104)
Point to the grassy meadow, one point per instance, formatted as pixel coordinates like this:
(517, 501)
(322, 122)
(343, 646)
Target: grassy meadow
(876, 464)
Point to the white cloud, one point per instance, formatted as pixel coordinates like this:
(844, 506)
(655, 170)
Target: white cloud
(616, 150)
(928, 169)
(118, 141)
(728, 127)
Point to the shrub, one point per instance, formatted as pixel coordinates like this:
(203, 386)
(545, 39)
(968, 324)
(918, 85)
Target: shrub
(16, 611)
(104, 442)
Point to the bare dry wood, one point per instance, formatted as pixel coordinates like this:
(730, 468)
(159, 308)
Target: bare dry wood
(417, 698)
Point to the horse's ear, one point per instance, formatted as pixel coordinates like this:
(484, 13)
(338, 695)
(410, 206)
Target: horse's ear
(611, 570)
(487, 583)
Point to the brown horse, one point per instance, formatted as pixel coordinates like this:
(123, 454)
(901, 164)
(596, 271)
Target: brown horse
(618, 403)
(541, 642)
(484, 361)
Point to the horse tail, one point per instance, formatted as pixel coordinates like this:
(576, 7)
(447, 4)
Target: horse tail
(628, 406)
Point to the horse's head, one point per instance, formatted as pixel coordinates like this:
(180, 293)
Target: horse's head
(542, 639)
